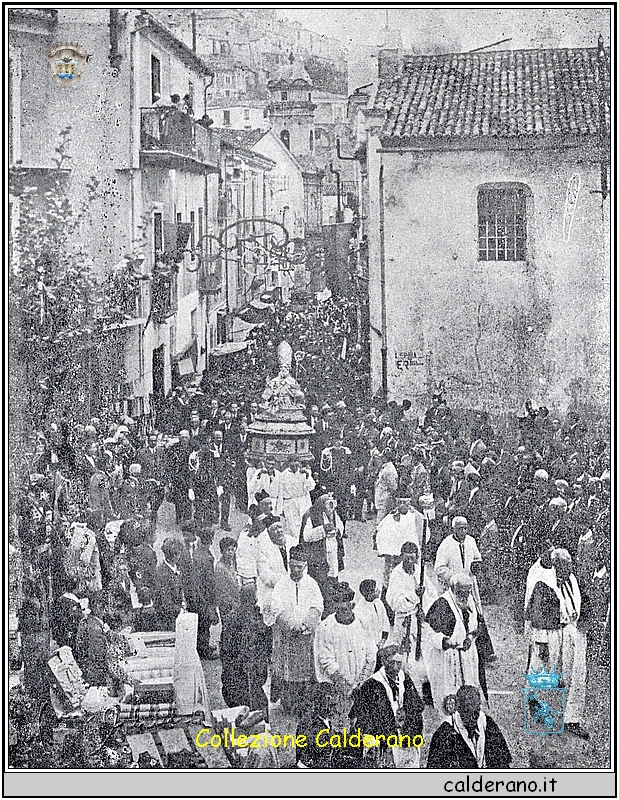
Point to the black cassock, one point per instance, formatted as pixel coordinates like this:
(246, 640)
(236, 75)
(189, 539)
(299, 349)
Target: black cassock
(448, 750)
(372, 712)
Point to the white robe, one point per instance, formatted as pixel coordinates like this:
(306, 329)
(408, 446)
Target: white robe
(449, 561)
(384, 490)
(295, 490)
(270, 483)
(391, 534)
(343, 650)
(567, 645)
(246, 552)
(402, 596)
(450, 669)
(270, 568)
(373, 617)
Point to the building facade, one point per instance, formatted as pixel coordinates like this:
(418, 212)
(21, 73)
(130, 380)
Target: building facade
(157, 177)
(489, 228)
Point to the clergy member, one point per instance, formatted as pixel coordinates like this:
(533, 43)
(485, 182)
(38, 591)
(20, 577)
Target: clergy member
(449, 653)
(296, 483)
(296, 608)
(388, 705)
(343, 655)
(404, 597)
(403, 524)
(470, 739)
(554, 627)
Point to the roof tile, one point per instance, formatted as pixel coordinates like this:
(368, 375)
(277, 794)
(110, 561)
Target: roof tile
(507, 93)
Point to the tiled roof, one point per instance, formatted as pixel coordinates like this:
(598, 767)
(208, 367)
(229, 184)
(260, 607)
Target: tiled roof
(510, 93)
(239, 138)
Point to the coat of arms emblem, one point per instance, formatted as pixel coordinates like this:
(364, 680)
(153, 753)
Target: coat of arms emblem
(544, 703)
(67, 62)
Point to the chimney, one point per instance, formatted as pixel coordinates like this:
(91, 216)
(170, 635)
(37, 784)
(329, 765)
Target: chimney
(389, 63)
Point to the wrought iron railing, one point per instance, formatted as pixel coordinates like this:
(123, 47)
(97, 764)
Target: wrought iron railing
(167, 129)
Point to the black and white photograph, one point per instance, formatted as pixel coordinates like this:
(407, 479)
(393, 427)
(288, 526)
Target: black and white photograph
(309, 392)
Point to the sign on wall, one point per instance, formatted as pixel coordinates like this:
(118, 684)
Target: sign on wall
(407, 376)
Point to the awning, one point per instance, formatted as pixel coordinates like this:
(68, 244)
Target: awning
(228, 347)
(240, 328)
(185, 367)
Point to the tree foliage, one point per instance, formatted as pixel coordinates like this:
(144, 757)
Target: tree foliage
(60, 306)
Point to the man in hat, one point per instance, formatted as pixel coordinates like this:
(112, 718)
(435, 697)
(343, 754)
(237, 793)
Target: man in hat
(133, 499)
(403, 524)
(179, 475)
(343, 656)
(389, 704)
(198, 578)
(555, 629)
(321, 538)
(203, 484)
(449, 652)
(296, 608)
(152, 460)
(471, 739)
(296, 483)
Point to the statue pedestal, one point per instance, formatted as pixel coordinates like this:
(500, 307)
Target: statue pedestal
(282, 437)
(280, 430)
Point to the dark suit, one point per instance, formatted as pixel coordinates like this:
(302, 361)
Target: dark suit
(179, 479)
(168, 596)
(198, 579)
(91, 651)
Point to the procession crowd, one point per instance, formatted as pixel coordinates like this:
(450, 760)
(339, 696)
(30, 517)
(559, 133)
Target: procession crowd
(463, 516)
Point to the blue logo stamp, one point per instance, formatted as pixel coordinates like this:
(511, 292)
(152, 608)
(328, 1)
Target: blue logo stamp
(544, 702)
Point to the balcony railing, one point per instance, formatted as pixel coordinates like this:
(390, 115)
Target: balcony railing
(169, 133)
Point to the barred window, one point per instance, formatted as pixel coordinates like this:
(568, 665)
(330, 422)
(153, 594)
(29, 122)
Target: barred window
(502, 222)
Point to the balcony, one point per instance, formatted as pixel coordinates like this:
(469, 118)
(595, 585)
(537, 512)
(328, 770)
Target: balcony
(172, 139)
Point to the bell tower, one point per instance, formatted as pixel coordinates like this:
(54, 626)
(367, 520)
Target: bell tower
(291, 110)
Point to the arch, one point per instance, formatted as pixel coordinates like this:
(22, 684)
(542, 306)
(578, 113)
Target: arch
(285, 137)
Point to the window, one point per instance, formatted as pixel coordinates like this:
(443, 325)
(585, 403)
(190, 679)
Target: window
(192, 235)
(194, 323)
(172, 339)
(157, 236)
(309, 96)
(311, 140)
(285, 137)
(155, 79)
(318, 135)
(245, 113)
(227, 92)
(228, 80)
(501, 221)
(284, 95)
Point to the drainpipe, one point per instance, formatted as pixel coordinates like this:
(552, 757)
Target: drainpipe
(383, 297)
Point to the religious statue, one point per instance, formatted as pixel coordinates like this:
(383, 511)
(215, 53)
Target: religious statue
(283, 392)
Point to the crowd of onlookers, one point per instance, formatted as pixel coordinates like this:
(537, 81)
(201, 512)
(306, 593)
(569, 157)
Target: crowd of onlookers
(87, 516)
